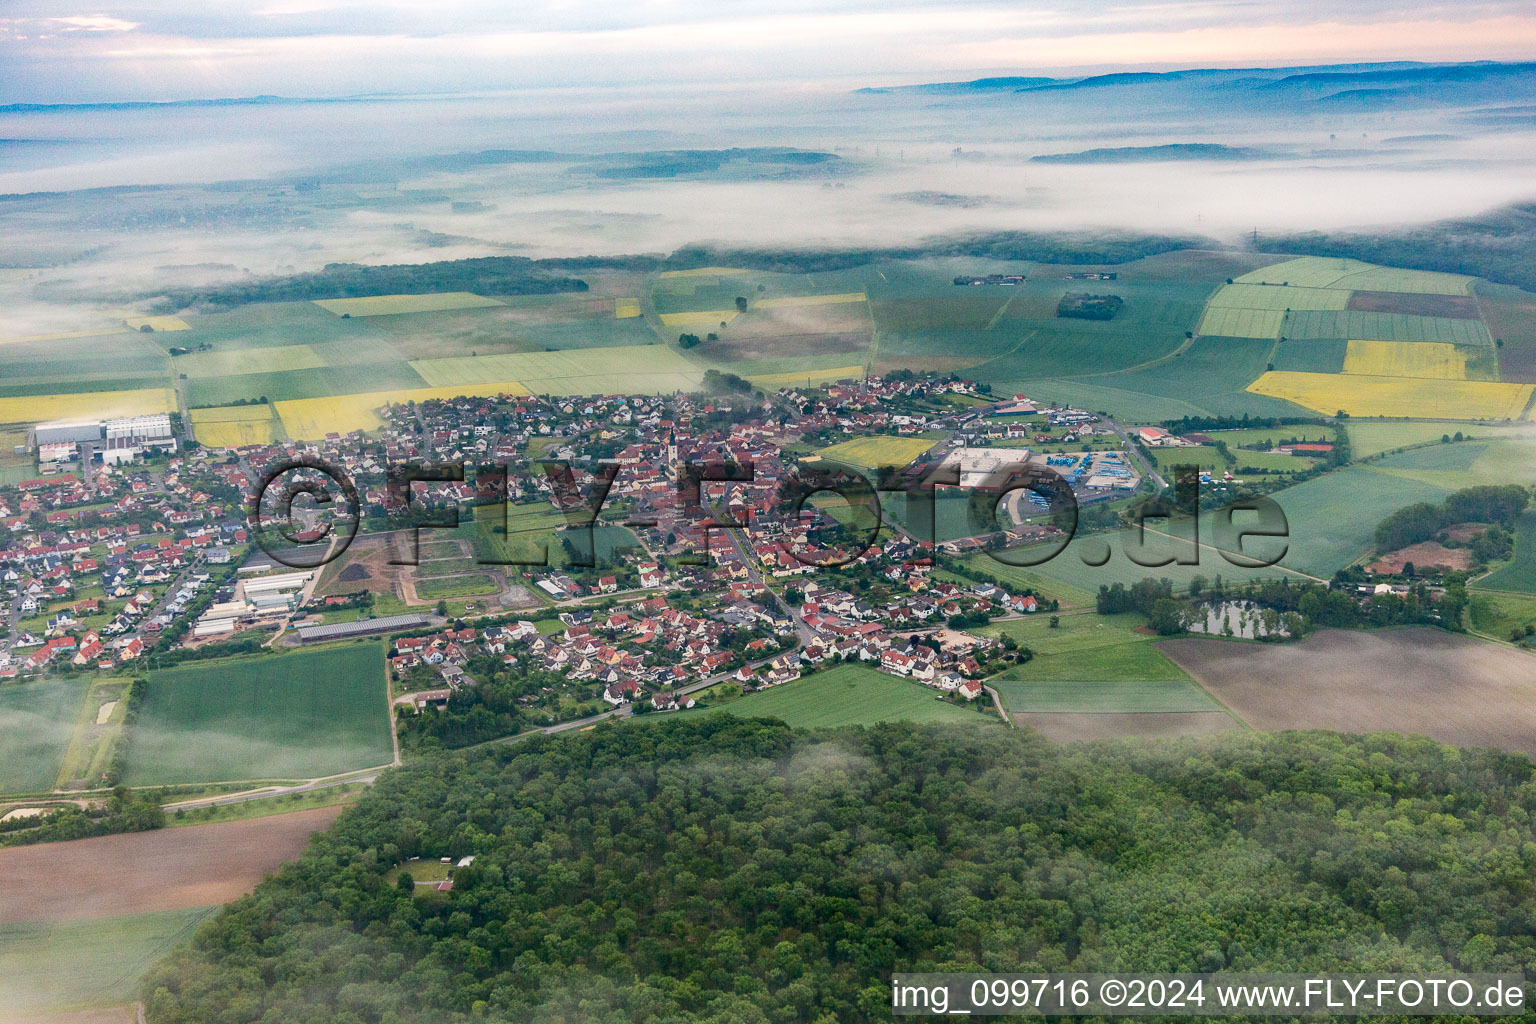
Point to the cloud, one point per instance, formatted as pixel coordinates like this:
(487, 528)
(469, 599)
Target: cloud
(186, 49)
(93, 23)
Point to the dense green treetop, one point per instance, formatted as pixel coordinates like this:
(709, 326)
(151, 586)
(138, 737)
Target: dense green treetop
(723, 870)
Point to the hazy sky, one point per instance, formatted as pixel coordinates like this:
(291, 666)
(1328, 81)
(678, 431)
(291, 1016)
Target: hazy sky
(59, 51)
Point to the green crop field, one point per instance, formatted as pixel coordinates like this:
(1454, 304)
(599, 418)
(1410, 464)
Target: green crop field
(1242, 323)
(1315, 355)
(853, 695)
(1510, 458)
(875, 451)
(1304, 324)
(1207, 379)
(1272, 435)
(37, 721)
(1334, 272)
(614, 370)
(1204, 456)
(316, 382)
(47, 967)
(1372, 437)
(530, 530)
(301, 715)
(1104, 697)
(1258, 296)
(1271, 462)
(1059, 350)
(1519, 575)
(1333, 517)
(1331, 520)
(469, 585)
(1085, 646)
(231, 362)
(1498, 614)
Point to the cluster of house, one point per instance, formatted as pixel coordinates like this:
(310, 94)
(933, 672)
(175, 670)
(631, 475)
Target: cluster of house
(645, 647)
(86, 650)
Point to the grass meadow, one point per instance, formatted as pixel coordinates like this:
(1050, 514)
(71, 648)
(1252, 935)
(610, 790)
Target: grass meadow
(853, 695)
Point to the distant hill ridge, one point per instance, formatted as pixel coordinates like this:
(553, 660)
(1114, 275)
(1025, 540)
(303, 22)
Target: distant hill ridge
(1382, 84)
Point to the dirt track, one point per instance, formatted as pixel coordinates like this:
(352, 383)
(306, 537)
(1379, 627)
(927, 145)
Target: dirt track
(1453, 688)
(195, 866)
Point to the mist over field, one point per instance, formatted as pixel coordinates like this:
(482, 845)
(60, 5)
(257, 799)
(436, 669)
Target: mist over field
(130, 199)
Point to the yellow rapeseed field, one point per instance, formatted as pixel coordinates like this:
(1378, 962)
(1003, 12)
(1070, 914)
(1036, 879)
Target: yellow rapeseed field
(626, 309)
(86, 405)
(159, 323)
(311, 418)
(386, 305)
(809, 300)
(704, 319)
(63, 336)
(231, 426)
(1415, 397)
(1405, 359)
(772, 381)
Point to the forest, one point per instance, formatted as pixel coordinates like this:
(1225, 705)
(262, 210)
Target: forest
(713, 869)
(485, 275)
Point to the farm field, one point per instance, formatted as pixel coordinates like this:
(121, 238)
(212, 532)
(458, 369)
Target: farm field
(796, 301)
(1270, 462)
(313, 418)
(853, 695)
(530, 533)
(804, 378)
(37, 721)
(608, 370)
(1113, 696)
(1406, 359)
(873, 452)
(1209, 378)
(477, 584)
(1091, 727)
(1519, 575)
(1334, 272)
(1227, 322)
(301, 715)
(1315, 355)
(1455, 689)
(1085, 646)
(232, 426)
(93, 404)
(386, 305)
(1205, 456)
(1321, 539)
(81, 921)
(1497, 614)
(1396, 396)
(233, 362)
(1258, 296)
(1511, 317)
(1367, 437)
(1304, 324)
(56, 966)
